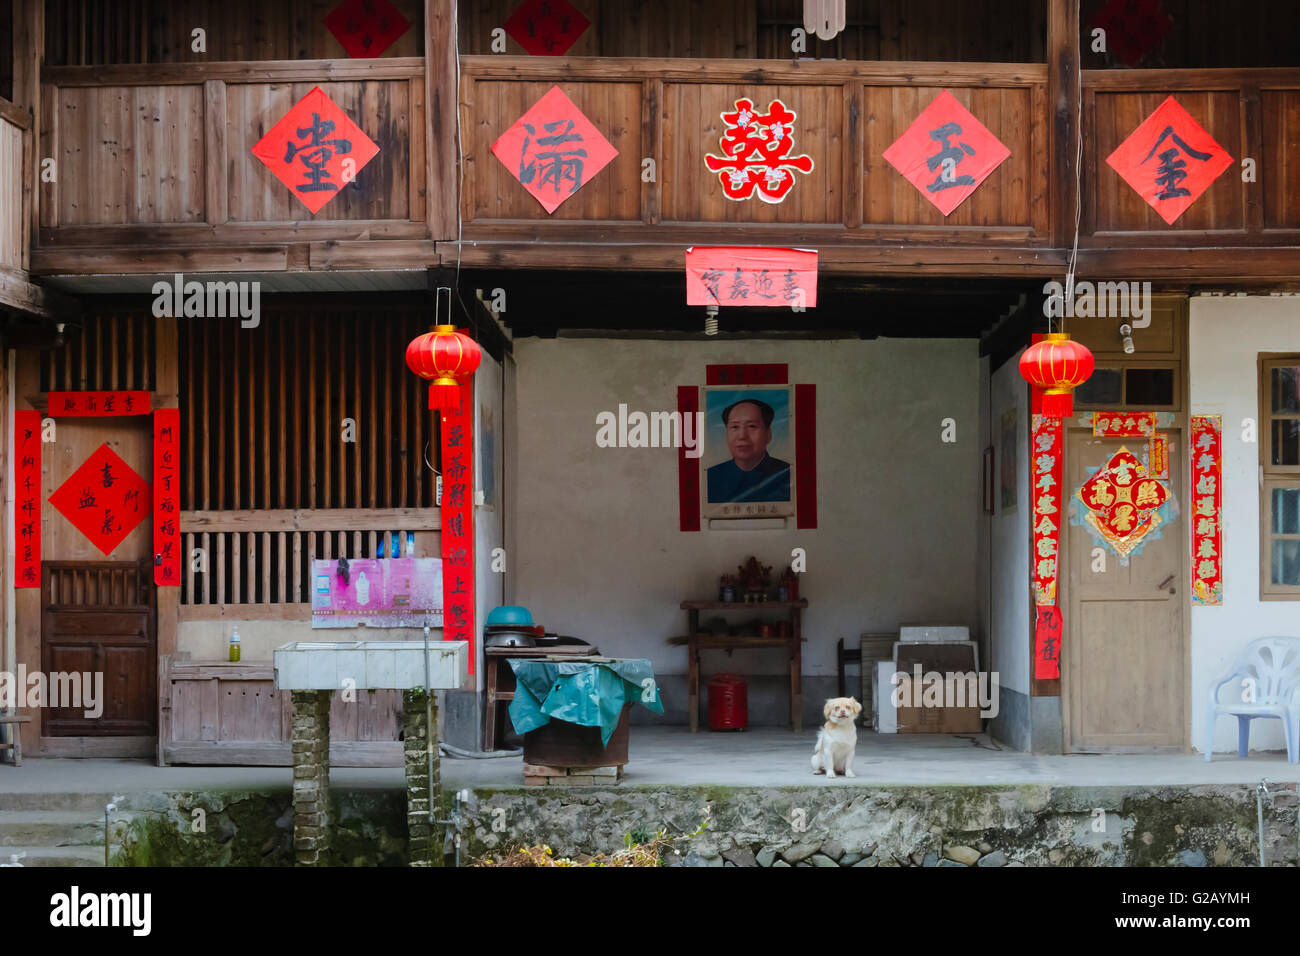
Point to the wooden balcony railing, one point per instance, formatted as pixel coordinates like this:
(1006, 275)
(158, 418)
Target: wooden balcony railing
(669, 111)
(159, 156)
(261, 560)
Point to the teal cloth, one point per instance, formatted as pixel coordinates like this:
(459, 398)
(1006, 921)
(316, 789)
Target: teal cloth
(581, 692)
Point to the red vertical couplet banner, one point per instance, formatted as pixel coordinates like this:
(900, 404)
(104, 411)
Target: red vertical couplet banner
(1046, 449)
(805, 455)
(27, 499)
(1206, 456)
(688, 468)
(458, 521)
(1047, 644)
(166, 495)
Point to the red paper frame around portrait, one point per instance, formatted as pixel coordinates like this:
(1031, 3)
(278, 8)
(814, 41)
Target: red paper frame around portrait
(805, 439)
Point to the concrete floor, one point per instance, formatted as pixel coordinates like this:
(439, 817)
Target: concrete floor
(673, 756)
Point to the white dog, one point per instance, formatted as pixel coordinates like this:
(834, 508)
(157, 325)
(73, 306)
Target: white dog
(838, 738)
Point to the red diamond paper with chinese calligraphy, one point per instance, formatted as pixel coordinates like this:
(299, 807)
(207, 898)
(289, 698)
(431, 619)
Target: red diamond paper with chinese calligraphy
(366, 28)
(1122, 499)
(1170, 160)
(751, 275)
(27, 498)
(546, 27)
(553, 149)
(1046, 466)
(946, 153)
(1133, 27)
(166, 497)
(104, 499)
(315, 150)
(458, 521)
(756, 150)
(1207, 519)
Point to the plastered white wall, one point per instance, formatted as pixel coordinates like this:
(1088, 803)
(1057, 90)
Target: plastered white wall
(598, 552)
(1226, 336)
(1010, 535)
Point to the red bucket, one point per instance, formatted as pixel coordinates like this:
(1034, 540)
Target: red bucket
(728, 702)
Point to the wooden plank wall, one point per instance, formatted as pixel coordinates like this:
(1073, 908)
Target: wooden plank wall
(150, 151)
(93, 33)
(1245, 33)
(11, 197)
(848, 115)
(1253, 113)
(217, 712)
(1004, 31)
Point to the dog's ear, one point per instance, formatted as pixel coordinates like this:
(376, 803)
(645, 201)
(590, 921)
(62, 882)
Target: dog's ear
(857, 707)
(826, 711)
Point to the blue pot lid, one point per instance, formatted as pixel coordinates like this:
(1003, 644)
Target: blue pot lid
(509, 614)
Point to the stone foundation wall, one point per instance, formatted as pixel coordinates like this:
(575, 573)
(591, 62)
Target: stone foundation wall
(425, 840)
(900, 826)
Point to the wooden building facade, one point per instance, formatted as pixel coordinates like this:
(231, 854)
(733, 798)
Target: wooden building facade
(125, 159)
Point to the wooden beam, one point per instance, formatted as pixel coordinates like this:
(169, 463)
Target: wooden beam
(314, 519)
(28, 54)
(1063, 99)
(394, 254)
(17, 293)
(441, 135)
(47, 261)
(237, 71)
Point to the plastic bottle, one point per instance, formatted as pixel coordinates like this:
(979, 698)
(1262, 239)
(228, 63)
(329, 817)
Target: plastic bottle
(234, 646)
(363, 590)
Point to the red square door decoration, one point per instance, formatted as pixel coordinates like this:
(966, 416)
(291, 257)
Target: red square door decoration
(104, 499)
(553, 149)
(546, 27)
(1121, 501)
(315, 149)
(1133, 27)
(366, 28)
(946, 153)
(756, 151)
(1170, 160)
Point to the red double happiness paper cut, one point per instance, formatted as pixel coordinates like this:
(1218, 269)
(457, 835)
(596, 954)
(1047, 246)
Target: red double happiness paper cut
(946, 153)
(1207, 518)
(27, 498)
(546, 27)
(1169, 160)
(1046, 467)
(315, 149)
(756, 151)
(751, 275)
(553, 149)
(366, 28)
(104, 499)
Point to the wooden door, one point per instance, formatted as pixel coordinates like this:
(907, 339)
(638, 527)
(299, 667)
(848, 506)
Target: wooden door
(99, 618)
(1124, 661)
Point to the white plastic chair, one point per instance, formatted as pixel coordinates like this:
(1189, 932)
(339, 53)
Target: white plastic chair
(1273, 665)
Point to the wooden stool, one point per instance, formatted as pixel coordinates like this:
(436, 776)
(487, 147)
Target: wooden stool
(17, 745)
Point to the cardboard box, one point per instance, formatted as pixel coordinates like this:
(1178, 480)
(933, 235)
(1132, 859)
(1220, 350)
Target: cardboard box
(950, 658)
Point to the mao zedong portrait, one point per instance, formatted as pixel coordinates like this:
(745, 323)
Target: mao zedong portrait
(751, 474)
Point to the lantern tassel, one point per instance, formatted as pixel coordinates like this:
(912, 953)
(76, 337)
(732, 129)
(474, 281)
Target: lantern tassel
(1058, 404)
(444, 396)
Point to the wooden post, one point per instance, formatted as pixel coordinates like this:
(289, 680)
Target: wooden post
(28, 53)
(167, 395)
(1063, 95)
(442, 98)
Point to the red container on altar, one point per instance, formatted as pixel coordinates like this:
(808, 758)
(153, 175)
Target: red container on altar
(728, 702)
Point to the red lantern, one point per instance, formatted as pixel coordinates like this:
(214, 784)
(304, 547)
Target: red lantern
(446, 356)
(1059, 366)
